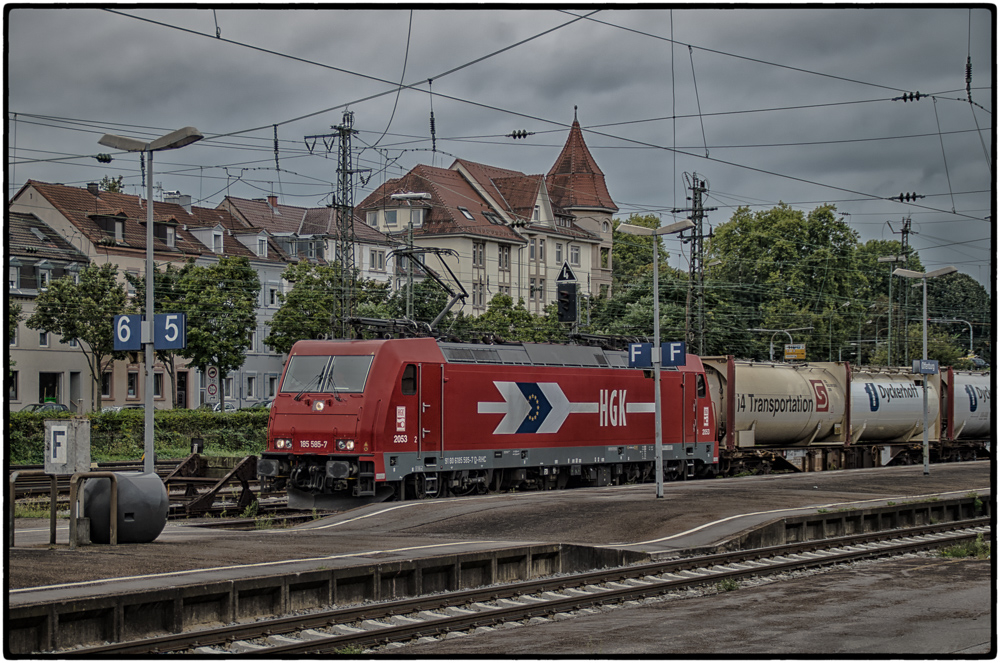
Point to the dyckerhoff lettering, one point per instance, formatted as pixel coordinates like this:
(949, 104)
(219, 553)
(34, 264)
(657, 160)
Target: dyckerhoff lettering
(773, 405)
(891, 391)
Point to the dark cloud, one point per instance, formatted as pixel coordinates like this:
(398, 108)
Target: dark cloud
(102, 71)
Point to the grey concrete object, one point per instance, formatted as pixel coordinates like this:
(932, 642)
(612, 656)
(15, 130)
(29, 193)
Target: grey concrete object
(142, 508)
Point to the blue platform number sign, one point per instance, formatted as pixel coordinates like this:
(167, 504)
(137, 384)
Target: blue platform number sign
(674, 353)
(169, 331)
(640, 355)
(128, 332)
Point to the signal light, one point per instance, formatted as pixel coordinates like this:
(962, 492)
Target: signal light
(566, 302)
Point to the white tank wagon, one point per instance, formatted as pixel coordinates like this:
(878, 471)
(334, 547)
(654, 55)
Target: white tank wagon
(774, 404)
(887, 405)
(967, 405)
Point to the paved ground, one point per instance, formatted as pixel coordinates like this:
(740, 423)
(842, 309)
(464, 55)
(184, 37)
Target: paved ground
(620, 516)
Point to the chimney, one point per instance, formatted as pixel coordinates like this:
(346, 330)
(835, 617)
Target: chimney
(177, 198)
(272, 201)
(94, 189)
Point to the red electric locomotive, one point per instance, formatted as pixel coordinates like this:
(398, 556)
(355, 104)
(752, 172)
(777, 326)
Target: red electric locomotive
(370, 420)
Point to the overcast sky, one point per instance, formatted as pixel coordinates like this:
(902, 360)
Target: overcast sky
(769, 104)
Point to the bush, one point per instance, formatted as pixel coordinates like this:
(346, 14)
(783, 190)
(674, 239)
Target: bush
(120, 435)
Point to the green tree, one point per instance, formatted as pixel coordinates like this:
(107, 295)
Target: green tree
(307, 310)
(14, 317)
(114, 185)
(220, 301)
(84, 311)
(429, 299)
(509, 322)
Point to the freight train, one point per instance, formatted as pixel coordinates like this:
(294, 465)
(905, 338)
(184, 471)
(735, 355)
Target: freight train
(370, 420)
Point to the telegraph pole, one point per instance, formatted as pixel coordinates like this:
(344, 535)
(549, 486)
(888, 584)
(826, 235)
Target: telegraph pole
(696, 276)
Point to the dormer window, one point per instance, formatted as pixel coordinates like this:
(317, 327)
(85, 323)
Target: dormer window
(167, 232)
(14, 277)
(417, 217)
(372, 219)
(534, 214)
(217, 242)
(261, 247)
(119, 230)
(390, 217)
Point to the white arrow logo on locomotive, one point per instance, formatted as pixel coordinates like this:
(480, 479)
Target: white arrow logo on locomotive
(542, 407)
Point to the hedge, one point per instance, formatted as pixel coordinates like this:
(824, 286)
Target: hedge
(119, 435)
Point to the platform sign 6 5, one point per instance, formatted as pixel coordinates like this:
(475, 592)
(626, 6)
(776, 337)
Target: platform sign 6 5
(169, 332)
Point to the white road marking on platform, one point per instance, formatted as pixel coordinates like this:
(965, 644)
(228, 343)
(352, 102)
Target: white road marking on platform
(799, 508)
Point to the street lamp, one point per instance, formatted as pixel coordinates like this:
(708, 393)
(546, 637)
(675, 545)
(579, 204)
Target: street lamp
(910, 274)
(171, 141)
(630, 229)
(951, 320)
(780, 331)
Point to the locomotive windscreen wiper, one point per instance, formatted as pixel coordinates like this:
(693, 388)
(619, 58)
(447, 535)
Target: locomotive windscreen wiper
(318, 380)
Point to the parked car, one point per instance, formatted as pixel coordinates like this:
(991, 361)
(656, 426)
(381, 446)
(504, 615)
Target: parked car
(260, 405)
(134, 406)
(230, 407)
(45, 407)
(111, 408)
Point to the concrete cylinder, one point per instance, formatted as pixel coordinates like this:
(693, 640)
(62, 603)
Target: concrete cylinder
(142, 507)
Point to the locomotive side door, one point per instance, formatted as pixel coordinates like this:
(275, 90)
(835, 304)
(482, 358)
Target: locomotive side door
(430, 436)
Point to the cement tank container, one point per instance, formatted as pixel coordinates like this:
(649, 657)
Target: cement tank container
(775, 404)
(888, 406)
(968, 405)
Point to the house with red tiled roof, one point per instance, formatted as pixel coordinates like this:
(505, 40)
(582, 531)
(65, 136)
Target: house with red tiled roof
(511, 232)
(47, 368)
(110, 227)
(314, 234)
(442, 210)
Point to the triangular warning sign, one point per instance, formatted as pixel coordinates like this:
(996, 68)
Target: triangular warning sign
(566, 274)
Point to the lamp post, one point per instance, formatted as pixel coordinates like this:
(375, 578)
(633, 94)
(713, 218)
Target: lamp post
(910, 274)
(630, 229)
(171, 141)
(951, 320)
(780, 331)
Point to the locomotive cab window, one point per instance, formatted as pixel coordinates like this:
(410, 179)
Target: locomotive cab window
(319, 374)
(409, 382)
(700, 385)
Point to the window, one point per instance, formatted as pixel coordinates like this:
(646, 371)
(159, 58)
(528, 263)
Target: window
(531, 249)
(157, 385)
(261, 247)
(700, 385)
(541, 250)
(466, 213)
(574, 255)
(541, 290)
(119, 230)
(478, 254)
(14, 277)
(227, 387)
(409, 382)
(43, 339)
(390, 217)
(44, 278)
(559, 257)
(171, 236)
(13, 337)
(504, 257)
(106, 384)
(251, 386)
(605, 227)
(372, 218)
(71, 342)
(417, 217)
(12, 386)
(133, 384)
(272, 386)
(377, 260)
(216, 242)
(272, 296)
(534, 214)
(531, 290)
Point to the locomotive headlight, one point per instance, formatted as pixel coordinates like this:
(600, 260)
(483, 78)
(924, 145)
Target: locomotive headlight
(318, 406)
(345, 445)
(282, 443)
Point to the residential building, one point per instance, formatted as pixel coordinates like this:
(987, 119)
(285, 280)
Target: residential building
(46, 366)
(108, 227)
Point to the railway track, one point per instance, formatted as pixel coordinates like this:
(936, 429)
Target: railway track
(435, 616)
